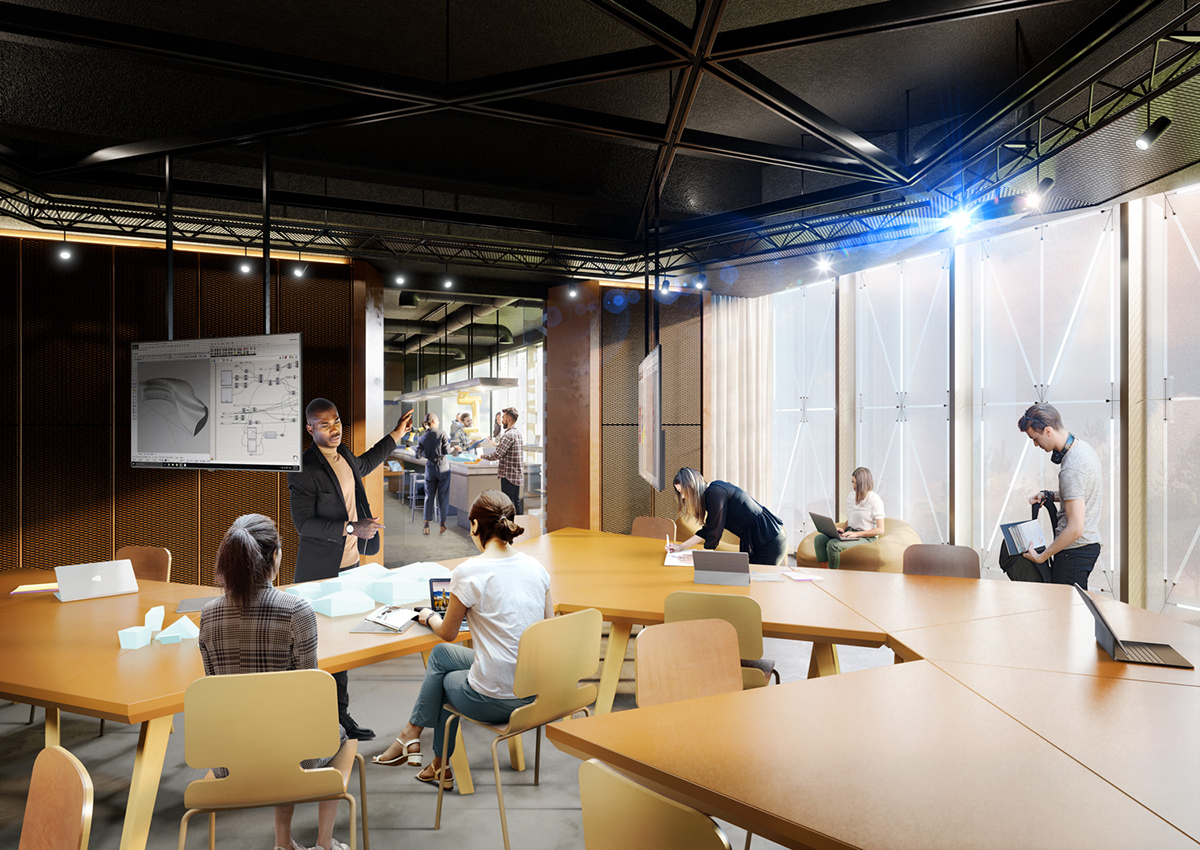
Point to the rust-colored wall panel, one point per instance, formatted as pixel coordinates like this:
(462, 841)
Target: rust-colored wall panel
(10, 410)
(67, 498)
(569, 403)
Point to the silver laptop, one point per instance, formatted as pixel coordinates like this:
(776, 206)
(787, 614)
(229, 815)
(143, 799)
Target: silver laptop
(731, 568)
(1158, 654)
(825, 525)
(92, 581)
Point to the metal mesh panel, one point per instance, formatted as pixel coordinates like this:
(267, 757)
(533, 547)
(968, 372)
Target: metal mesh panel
(66, 383)
(683, 449)
(679, 334)
(623, 494)
(10, 384)
(226, 494)
(623, 345)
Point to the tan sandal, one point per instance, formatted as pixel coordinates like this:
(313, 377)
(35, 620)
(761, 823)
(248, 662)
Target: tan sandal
(428, 775)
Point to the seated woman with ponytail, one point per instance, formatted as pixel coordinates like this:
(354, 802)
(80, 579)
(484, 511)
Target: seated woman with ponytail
(501, 592)
(254, 628)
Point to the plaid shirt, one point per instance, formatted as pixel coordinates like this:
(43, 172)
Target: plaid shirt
(510, 451)
(278, 631)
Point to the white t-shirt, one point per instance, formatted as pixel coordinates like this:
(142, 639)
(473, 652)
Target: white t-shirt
(503, 597)
(866, 514)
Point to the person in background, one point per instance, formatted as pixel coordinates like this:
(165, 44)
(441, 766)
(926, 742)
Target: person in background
(500, 592)
(456, 429)
(331, 513)
(434, 446)
(718, 506)
(254, 628)
(510, 452)
(498, 426)
(1076, 545)
(864, 520)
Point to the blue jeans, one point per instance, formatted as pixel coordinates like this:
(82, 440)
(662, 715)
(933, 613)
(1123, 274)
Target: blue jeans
(446, 682)
(829, 549)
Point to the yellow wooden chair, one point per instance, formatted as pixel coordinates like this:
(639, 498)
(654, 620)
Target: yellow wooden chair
(619, 814)
(653, 526)
(688, 659)
(552, 657)
(742, 612)
(151, 563)
(222, 728)
(58, 811)
(934, 559)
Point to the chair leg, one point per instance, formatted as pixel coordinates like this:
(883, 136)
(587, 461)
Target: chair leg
(749, 838)
(212, 831)
(537, 754)
(183, 825)
(101, 735)
(30, 720)
(437, 818)
(775, 673)
(516, 753)
(500, 793)
(362, 793)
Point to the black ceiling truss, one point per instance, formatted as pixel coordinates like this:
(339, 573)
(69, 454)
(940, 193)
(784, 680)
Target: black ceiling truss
(875, 178)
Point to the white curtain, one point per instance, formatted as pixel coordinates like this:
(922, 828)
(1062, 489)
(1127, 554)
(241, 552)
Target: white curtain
(742, 394)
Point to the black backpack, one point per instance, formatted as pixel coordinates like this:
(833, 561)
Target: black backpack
(1019, 568)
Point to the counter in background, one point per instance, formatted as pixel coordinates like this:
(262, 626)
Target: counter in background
(467, 481)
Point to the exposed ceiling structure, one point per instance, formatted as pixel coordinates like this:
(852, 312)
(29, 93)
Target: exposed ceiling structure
(518, 143)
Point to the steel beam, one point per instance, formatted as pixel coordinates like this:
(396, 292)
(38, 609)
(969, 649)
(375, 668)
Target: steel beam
(870, 19)
(652, 23)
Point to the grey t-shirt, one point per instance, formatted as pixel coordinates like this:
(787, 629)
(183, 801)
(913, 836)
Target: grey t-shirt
(1081, 478)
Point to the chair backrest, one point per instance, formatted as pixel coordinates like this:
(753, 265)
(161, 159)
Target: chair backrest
(933, 559)
(653, 526)
(742, 612)
(58, 812)
(152, 563)
(552, 657)
(619, 814)
(685, 660)
(232, 722)
(532, 525)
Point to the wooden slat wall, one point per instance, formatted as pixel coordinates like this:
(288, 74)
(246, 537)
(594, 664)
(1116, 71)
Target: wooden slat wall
(64, 375)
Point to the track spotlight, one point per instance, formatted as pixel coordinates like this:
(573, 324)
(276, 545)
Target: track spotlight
(65, 253)
(824, 265)
(960, 219)
(1160, 125)
(245, 267)
(701, 280)
(572, 291)
(1034, 199)
(448, 283)
(664, 284)
(400, 279)
(298, 271)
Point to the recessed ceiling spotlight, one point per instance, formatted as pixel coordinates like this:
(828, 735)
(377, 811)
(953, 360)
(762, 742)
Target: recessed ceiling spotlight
(1153, 132)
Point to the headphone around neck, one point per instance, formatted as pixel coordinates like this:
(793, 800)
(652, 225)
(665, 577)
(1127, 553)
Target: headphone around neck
(1057, 456)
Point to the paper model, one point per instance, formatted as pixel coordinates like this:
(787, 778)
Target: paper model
(344, 602)
(154, 618)
(398, 590)
(134, 637)
(309, 590)
(181, 629)
(421, 571)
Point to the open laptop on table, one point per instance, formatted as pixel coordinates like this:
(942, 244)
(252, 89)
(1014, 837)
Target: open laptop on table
(1157, 654)
(92, 581)
(732, 568)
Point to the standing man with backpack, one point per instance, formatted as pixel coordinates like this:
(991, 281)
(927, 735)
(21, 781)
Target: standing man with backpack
(1076, 545)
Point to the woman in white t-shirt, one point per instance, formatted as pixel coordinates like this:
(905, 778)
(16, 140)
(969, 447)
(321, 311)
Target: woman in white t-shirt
(864, 520)
(501, 592)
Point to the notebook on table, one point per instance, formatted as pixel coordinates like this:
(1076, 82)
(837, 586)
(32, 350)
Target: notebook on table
(1134, 652)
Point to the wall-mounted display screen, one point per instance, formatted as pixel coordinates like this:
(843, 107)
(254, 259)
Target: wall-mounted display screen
(651, 442)
(231, 403)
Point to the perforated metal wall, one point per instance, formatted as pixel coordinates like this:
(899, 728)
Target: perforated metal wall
(68, 359)
(624, 495)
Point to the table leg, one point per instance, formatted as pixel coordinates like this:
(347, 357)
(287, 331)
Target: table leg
(824, 660)
(147, 770)
(53, 726)
(614, 657)
(461, 767)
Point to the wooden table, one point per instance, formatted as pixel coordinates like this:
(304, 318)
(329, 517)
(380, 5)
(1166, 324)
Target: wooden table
(625, 579)
(66, 657)
(903, 757)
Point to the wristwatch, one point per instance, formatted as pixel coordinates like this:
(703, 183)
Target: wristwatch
(349, 528)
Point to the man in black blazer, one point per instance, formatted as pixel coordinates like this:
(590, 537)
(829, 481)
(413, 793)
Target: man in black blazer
(331, 513)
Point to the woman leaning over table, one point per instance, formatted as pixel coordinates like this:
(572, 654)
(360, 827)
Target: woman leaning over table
(501, 592)
(254, 628)
(864, 519)
(719, 505)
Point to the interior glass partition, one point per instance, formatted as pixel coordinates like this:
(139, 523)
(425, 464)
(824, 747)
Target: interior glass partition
(1046, 330)
(804, 429)
(903, 384)
(1173, 404)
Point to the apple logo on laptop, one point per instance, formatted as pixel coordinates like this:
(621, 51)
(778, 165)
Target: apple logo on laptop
(97, 578)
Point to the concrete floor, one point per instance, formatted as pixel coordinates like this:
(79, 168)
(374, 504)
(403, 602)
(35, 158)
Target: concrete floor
(400, 809)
